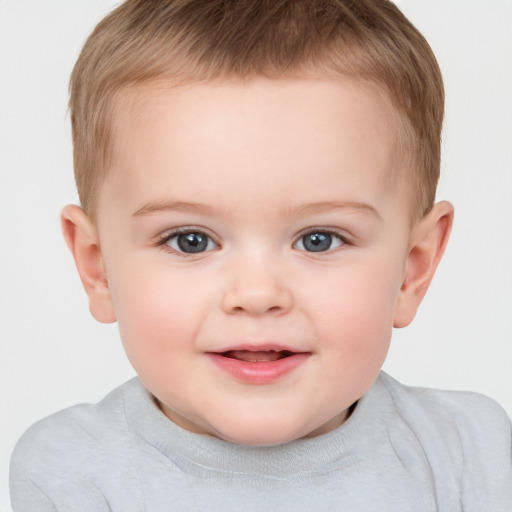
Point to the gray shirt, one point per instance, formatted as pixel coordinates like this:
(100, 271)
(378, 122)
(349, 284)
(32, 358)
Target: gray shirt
(402, 449)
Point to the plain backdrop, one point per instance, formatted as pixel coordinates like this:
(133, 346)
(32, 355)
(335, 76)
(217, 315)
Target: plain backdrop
(53, 354)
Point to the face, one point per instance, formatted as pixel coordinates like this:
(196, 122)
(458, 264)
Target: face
(254, 239)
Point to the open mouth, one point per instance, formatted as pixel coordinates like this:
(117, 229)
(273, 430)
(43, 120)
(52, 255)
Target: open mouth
(260, 356)
(258, 366)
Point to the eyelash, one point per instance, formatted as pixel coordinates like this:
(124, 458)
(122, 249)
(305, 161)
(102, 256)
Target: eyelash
(324, 231)
(165, 238)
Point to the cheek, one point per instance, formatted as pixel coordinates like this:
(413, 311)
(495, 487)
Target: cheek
(354, 309)
(158, 313)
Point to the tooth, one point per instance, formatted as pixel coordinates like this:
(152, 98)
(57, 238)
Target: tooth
(255, 356)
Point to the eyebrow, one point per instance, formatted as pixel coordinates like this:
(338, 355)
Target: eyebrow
(324, 206)
(298, 211)
(168, 205)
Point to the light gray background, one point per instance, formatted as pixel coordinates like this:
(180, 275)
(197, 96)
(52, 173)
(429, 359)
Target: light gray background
(53, 354)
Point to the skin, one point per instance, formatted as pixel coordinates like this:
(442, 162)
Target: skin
(255, 167)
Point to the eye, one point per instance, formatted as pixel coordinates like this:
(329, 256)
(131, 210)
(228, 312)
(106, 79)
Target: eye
(319, 241)
(190, 242)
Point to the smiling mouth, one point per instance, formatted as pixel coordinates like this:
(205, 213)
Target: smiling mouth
(259, 356)
(258, 365)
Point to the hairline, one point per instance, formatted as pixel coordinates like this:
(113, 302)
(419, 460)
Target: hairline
(403, 141)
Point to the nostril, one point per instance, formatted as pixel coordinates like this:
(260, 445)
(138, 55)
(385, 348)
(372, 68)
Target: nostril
(256, 310)
(256, 297)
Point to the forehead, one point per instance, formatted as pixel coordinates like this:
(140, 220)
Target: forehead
(322, 102)
(278, 130)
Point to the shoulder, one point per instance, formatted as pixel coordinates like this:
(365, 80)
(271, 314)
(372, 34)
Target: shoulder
(466, 438)
(72, 430)
(58, 453)
(467, 412)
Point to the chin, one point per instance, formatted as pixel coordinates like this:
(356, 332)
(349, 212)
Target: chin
(259, 440)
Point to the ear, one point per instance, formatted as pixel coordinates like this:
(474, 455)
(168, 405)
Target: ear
(82, 239)
(428, 242)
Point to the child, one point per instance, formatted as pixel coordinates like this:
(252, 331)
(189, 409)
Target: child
(257, 182)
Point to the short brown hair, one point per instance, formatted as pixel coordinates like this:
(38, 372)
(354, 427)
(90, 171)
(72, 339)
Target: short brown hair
(186, 41)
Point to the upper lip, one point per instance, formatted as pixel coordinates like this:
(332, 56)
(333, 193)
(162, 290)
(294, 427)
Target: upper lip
(259, 347)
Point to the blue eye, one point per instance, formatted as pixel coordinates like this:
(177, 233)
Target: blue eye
(191, 242)
(319, 241)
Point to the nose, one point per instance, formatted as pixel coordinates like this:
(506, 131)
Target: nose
(256, 288)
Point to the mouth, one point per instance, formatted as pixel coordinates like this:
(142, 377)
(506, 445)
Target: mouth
(257, 356)
(258, 365)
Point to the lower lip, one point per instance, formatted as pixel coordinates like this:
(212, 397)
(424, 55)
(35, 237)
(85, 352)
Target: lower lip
(262, 372)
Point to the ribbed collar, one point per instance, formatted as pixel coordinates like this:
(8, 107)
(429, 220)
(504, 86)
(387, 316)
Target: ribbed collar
(201, 453)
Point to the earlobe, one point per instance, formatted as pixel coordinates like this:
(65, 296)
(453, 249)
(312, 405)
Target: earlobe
(82, 239)
(428, 242)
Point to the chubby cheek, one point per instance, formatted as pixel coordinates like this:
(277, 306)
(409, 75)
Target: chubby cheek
(158, 316)
(354, 321)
